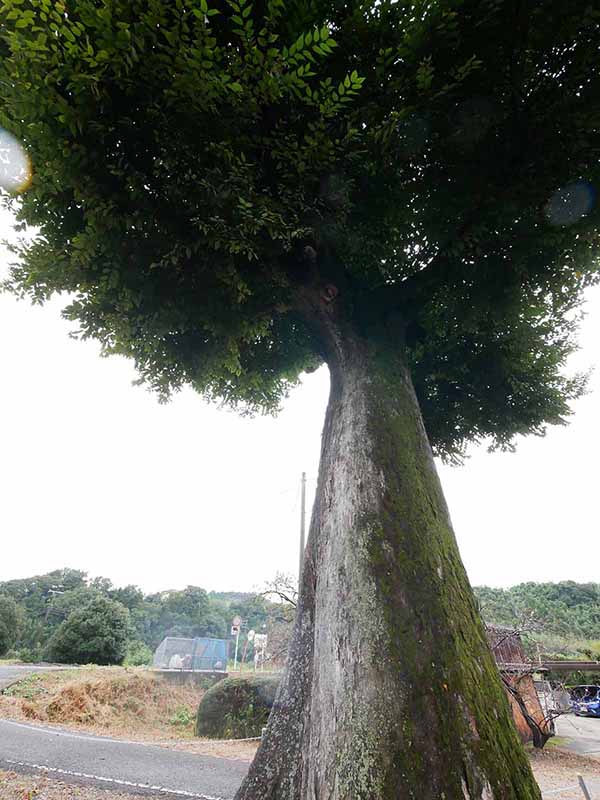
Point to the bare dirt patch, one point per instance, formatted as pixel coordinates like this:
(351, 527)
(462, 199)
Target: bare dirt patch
(14, 786)
(132, 704)
(238, 750)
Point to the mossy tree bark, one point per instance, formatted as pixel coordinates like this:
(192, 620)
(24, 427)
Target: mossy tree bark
(390, 690)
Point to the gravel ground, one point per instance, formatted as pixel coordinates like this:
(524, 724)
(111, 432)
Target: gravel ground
(14, 786)
(556, 772)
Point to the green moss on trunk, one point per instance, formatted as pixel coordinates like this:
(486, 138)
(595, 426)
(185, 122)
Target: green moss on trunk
(435, 636)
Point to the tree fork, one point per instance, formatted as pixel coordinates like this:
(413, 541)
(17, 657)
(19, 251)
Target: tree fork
(391, 690)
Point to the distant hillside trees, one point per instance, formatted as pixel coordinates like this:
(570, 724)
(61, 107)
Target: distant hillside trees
(565, 609)
(96, 633)
(560, 620)
(565, 616)
(10, 618)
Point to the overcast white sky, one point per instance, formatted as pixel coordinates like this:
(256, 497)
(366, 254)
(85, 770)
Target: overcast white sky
(96, 475)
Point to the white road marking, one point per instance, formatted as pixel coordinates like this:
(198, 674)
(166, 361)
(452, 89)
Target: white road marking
(116, 781)
(56, 731)
(69, 735)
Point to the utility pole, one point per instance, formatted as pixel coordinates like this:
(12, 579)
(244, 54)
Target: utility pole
(302, 527)
(237, 644)
(235, 631)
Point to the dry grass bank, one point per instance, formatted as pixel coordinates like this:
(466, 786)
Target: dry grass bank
(131, 704)
(106, 700)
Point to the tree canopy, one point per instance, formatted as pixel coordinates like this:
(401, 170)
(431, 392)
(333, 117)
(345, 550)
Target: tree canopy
(198, 163)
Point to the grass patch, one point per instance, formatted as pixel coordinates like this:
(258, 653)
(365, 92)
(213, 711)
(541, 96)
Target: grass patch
(27, 688)
(556, 741)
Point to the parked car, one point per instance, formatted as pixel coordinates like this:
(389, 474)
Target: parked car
(585, 700)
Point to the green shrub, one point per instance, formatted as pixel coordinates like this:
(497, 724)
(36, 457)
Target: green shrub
(237, 708)
(31, 655)
(138, 654)
(182, 717)
(97, 633)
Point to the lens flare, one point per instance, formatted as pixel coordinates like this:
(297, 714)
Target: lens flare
(15, 164)
(570, 203)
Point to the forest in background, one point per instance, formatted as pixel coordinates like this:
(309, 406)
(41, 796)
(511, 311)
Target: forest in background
(45, 602)
(557, 620)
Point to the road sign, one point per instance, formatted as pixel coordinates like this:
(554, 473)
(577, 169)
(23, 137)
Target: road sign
(236, 624)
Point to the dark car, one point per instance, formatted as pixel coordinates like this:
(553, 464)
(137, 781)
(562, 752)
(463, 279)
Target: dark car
(585, 700)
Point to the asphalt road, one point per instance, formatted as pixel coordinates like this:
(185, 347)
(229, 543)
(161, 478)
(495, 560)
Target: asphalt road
(115, 764)
(582, 734)
(14, 672)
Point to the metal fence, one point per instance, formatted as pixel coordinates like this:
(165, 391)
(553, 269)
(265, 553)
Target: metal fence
(199, 655)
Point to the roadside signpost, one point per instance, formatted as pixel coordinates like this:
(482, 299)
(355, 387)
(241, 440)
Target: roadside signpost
(236, 625)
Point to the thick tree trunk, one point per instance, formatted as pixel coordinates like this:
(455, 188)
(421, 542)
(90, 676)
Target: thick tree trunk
(390, 689)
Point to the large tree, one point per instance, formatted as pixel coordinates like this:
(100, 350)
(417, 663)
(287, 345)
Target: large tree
(237, 191)
(95, 633)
